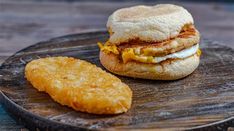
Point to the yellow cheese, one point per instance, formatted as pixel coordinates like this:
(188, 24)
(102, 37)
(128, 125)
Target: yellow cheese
(108, 48)
(199, 52)
(129, 54)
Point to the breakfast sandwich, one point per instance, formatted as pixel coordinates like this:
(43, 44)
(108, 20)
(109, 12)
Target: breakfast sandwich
(152, 42)
(79, 84)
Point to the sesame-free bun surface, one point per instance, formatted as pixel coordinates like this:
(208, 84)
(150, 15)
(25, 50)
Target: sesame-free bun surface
(147, 23)
(166, 70)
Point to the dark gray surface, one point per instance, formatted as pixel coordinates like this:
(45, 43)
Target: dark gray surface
(6, 122)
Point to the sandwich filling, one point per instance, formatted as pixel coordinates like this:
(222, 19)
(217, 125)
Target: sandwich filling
(180, 47)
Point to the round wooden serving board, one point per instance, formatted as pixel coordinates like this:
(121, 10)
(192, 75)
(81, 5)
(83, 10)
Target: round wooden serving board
(203, 100)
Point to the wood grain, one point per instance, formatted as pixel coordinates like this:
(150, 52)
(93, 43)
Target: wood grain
(203, 98)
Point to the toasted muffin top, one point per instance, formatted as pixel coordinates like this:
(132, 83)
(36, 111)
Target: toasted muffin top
(147, 23)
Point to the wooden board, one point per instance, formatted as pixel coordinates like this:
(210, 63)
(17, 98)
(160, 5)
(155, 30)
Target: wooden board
(205, 99)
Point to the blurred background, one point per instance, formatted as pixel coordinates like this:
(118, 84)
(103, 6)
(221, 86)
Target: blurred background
(26, 22)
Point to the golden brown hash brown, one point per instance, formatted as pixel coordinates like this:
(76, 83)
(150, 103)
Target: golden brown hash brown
(80, 85)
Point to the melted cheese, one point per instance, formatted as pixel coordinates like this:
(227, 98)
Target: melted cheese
(108, 48)
(131, 54)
